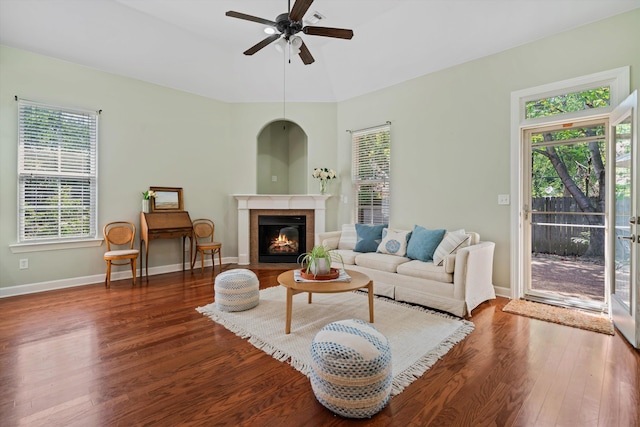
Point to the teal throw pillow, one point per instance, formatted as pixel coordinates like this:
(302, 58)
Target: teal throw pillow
(368, 237)
(423, 243)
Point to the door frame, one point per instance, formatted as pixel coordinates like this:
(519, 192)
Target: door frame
(627, 320)
(526, 216)
(617, 79)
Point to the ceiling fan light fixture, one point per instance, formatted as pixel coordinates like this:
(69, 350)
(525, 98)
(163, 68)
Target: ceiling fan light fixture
(296, 42)
(281, 44)
(287, 25)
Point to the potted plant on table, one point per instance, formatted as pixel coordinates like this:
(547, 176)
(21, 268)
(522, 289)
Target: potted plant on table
(317, 261)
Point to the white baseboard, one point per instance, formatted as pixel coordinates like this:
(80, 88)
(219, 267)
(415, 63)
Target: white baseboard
(96, 278)
(502, 292)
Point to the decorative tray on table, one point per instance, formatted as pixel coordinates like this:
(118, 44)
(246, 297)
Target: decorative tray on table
(334, 273)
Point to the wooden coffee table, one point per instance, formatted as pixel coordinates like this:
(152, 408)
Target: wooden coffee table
(358, 281)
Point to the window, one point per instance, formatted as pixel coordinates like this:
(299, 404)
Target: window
(371, 174)
(57, 173)
(591, 98)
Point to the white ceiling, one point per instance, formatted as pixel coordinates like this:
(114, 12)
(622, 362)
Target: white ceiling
(192, 46)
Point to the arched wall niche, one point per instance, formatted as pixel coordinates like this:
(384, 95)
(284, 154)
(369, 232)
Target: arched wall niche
(282, 159)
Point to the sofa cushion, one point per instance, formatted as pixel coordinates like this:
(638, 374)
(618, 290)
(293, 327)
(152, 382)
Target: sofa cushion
(394, 242)
(368, 237)
(348, 237)
(382, 262)
(423, 243)
(348, 257)
(452, 241)
(449, 263)
(425, 270)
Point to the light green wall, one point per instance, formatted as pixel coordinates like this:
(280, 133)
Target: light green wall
(148, 136)
(299, 167)
(450, 137)
(282, 152)
(450, 130)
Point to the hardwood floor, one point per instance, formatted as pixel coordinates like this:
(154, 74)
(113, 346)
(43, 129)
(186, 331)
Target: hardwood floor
(90, 356)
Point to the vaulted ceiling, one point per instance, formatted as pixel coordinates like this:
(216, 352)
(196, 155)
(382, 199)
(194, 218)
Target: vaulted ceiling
(191, 45)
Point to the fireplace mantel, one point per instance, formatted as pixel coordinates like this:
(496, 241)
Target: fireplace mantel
(283, 202)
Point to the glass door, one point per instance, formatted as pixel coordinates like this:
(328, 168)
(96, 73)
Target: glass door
(565, 214)
(624, 207)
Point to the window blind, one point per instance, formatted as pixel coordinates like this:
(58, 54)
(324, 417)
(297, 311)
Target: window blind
(57, 173)
(371, 174)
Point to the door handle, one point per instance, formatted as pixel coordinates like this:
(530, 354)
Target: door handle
(632, 238)
(632, 220)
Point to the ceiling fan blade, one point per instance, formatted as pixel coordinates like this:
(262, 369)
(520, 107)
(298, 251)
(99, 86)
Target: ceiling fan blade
(339, 33)
(263, 43)
(246, 17)
(305, 55)
(299, 9)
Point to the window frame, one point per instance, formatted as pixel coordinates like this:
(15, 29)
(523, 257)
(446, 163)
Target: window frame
(71, 166)
(367, 136)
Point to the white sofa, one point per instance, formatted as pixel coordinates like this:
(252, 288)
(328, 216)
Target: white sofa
(460, 284)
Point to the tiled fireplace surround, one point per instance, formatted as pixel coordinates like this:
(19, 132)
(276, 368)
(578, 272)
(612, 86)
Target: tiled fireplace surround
(250, 206)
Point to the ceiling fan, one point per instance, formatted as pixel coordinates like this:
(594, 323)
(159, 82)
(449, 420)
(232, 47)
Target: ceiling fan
(288, 25)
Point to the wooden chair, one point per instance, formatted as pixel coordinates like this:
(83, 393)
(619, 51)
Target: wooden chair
(203, 232)
(119, 234)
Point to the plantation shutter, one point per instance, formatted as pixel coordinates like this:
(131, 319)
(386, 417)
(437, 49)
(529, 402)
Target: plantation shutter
(371, 174)
(57, 173)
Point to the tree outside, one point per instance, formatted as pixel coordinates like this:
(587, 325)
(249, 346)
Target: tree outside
(570, 163)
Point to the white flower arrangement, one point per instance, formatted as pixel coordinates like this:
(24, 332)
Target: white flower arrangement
(324, 174)
(149, 194)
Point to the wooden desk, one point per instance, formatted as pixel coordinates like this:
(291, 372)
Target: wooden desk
(164, 225)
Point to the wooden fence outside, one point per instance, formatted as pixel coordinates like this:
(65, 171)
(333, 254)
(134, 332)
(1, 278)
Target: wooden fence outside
(569, 233)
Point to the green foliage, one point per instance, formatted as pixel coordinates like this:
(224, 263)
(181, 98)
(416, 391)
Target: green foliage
(567, 103)
(570, 161)
(311, 259)
(577, 158)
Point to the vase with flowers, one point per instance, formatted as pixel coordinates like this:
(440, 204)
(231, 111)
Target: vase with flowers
(324, 175)
(146, 200)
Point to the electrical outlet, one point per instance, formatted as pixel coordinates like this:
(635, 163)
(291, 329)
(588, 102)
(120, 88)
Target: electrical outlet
(503, 199)
(24, 263)
(274, 178)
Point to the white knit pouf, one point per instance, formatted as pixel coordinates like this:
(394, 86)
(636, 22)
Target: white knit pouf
(351, 368)
(236, 290)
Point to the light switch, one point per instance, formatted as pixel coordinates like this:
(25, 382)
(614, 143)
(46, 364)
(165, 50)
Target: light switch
(274, 178)
(503, 199)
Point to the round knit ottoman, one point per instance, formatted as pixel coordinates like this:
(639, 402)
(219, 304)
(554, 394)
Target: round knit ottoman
(236, 290)
(351, 368)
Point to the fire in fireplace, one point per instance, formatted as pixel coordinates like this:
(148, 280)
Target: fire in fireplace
(282, 238)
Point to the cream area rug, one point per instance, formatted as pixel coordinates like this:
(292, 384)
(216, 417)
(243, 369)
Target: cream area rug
(563, 316)
(418, 337)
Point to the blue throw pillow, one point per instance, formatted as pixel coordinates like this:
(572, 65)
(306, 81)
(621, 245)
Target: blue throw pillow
(423, 243)
(368, 237)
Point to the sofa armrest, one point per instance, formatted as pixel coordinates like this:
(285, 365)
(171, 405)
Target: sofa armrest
(329, 239)
(473, 276)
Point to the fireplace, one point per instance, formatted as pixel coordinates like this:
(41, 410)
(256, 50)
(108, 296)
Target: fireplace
(250, 206)
(281, 238)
